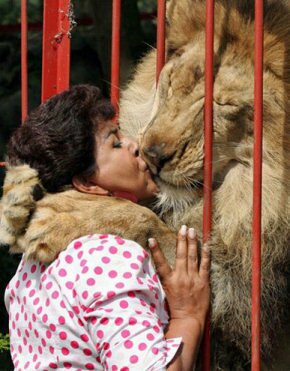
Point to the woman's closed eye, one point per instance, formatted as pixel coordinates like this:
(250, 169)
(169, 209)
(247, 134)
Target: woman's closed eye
(117, 144)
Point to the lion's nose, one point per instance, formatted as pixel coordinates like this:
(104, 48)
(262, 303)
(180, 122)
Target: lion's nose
(156, 155)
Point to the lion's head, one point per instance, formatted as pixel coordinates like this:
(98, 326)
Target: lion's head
(172, 117)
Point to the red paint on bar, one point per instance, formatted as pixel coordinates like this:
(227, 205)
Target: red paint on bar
(2, 164)
(257, 187)
(56, 47)
(115, 55)
(24, 75)
(161, 15)
(208, 139)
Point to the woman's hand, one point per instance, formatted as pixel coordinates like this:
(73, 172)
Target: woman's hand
(187, 284)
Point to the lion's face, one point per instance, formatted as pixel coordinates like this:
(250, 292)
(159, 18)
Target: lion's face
(173, 142)
(174, 139)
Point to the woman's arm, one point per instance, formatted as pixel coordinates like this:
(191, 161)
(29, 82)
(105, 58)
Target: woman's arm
(191, 333)
(187, 291)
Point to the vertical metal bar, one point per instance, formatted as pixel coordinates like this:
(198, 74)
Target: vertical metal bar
(115, 55)
(161, 14)
(208, 139)
(56, 47)
(63, 60)
(24, 76)
(257, 186)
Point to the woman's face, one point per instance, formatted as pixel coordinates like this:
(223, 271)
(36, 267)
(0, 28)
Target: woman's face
(120, 168)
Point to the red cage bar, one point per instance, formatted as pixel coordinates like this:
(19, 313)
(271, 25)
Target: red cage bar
(208, 139)
(115, 55)
(24, 74)
(161, 9)
(257, 186)
(56, 47)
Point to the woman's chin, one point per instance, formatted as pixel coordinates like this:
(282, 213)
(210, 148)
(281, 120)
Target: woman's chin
(152, 190)
(152, 186)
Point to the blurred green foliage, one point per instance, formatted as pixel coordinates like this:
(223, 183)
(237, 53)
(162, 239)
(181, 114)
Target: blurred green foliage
(90, 63)
(4, 342)
(10, 11)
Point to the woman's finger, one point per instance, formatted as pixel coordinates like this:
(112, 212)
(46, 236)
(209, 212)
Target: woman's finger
(181, 250)
(192, 260)
(204, 267)
(162, 267)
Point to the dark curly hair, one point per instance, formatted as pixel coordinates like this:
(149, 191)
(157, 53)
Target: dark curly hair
(58, 138)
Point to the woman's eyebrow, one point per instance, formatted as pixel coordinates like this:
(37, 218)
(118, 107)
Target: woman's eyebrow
(112, 132)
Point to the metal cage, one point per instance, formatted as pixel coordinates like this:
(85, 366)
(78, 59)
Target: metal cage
(55, 78)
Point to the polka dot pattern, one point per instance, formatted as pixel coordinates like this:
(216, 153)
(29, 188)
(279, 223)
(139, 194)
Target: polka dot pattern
(100, 301)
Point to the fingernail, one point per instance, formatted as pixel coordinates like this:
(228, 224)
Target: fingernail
(152, 243)
(206, 247)
(183, 230)
(191, 233)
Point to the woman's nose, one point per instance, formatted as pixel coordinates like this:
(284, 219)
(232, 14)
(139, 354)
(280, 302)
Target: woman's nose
(132, 145)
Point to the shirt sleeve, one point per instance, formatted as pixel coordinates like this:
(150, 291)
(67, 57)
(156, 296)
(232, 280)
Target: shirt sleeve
(124, 311)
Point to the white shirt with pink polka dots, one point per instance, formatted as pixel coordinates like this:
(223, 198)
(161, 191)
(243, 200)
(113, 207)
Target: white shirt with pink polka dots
(98, 306)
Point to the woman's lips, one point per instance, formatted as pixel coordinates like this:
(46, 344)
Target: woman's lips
(148, 174)
(142, 164)
(151, 179)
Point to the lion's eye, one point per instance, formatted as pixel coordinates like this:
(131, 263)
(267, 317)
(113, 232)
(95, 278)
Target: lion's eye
(197, 73)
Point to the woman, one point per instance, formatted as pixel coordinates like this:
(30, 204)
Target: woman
(100, 305)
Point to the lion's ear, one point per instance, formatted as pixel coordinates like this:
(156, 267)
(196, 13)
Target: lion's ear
(21, 190)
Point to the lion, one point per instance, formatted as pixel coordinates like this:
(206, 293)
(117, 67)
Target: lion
(168, 120)
(172, 143)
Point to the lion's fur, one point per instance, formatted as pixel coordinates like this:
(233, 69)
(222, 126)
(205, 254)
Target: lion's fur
(174, 120)
(21, 188)
(173, 115)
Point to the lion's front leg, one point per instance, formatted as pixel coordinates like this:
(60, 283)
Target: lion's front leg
(62, 217)
(49, 232)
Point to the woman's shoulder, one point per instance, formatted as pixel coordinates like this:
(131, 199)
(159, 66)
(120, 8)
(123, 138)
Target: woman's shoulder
(106, 264)
(103, 253)
(99, 244)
